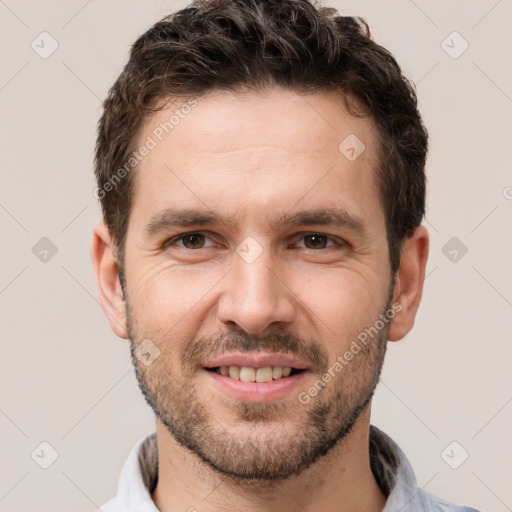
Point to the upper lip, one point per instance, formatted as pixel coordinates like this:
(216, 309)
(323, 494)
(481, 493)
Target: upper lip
(257, 360)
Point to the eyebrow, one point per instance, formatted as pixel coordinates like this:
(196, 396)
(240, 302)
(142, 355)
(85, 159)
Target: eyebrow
(187, 217)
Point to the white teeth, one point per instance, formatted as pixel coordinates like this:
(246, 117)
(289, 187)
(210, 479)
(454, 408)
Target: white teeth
(234, 372)
(264, 374)
(249, 374)
(277, 372)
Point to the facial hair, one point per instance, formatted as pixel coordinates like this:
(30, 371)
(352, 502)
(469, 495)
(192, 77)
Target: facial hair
(271, 440)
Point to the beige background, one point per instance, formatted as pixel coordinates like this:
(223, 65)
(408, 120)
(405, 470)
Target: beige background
(67, 380)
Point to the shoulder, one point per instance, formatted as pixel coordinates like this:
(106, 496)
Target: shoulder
(434, 504)
(110, 506)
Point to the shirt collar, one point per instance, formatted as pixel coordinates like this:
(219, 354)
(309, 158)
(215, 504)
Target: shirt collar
(389, 465)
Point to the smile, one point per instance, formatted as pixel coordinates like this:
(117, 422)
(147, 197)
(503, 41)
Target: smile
(250, 374)
(255, 376)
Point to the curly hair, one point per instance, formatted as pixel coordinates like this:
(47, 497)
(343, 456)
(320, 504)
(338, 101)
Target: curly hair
(249, 45)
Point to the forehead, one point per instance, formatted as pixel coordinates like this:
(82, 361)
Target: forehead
(257, 150)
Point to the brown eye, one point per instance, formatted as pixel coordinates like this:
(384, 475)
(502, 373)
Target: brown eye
(315, 241)
(190, 241)
(193, 241)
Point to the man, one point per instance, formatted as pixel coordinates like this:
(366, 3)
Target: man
(260, 166)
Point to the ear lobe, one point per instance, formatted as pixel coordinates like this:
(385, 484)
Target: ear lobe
(409, 282)
(107, 280)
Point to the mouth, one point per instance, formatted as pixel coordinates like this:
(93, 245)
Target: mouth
(251, 374)
(255, 377)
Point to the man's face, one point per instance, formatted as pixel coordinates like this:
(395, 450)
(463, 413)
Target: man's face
(272, 283)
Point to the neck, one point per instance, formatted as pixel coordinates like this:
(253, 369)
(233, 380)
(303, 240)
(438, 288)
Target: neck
(343, 477)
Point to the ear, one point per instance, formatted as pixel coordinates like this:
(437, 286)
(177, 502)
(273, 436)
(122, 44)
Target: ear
(107, 279)
(409, 282)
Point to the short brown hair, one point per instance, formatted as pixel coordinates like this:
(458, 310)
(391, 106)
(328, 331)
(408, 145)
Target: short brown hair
(241, 45)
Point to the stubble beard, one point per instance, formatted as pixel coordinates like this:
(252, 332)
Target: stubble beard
(269, 441)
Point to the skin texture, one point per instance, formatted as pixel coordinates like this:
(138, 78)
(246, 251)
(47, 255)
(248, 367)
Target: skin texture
(251, 158)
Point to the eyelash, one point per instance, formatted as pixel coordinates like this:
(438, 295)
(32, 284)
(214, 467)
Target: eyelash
(340, 243)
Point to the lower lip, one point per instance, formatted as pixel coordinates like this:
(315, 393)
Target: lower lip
(256, 391)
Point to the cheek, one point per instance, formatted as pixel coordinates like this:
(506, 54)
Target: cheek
(168, 302)
(341, 303)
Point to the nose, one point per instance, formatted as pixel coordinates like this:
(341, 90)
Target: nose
(255, 296)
